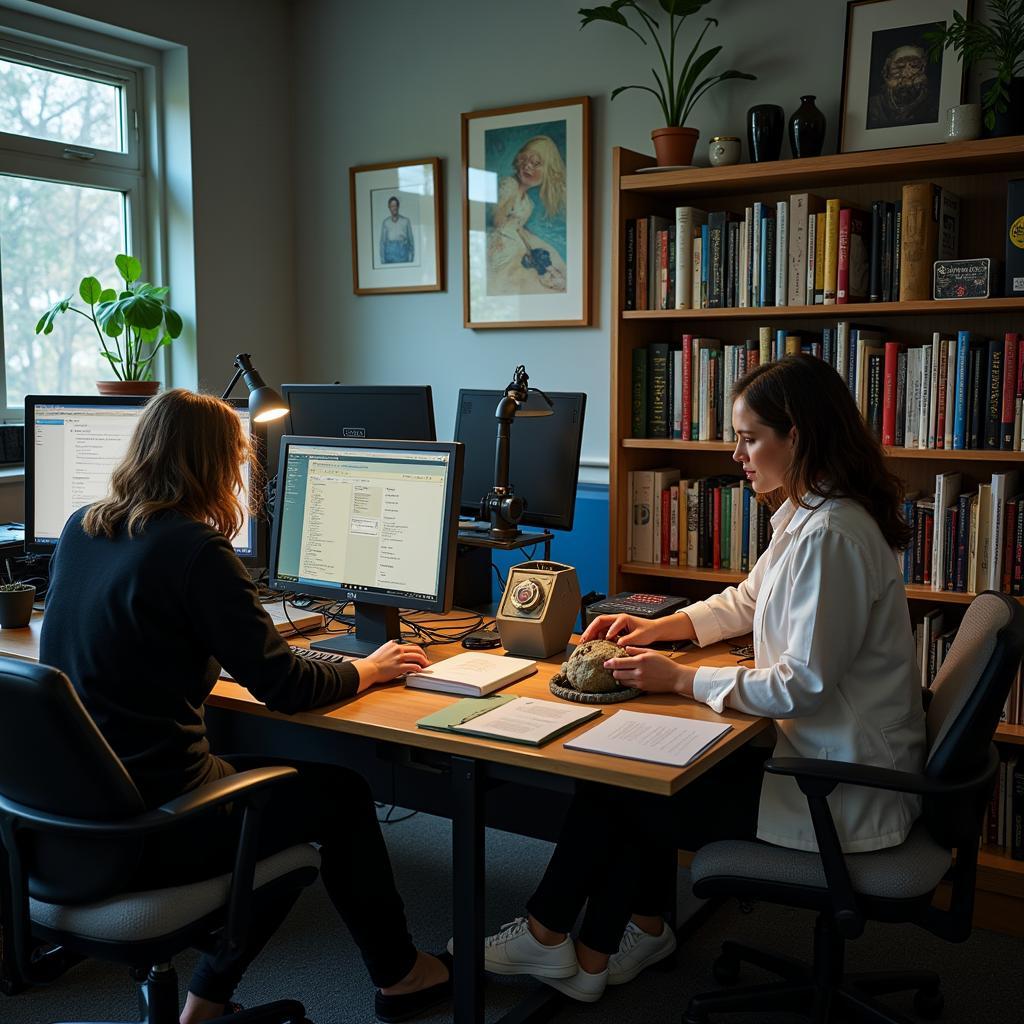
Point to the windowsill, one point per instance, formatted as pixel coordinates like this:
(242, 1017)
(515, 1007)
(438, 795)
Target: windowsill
(12, 475)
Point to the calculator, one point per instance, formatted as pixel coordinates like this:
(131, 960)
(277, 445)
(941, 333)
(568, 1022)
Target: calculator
(647, 606)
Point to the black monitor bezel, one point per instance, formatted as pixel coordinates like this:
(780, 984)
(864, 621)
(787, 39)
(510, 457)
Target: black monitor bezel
(397, 392)
(33, 546)
(449, 539)
(562, 521)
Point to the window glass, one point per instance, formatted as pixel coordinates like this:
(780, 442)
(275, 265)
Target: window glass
(43, 104)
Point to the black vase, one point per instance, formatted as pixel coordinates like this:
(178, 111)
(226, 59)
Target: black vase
(765, 124)
(1011, 122)
(807, 129)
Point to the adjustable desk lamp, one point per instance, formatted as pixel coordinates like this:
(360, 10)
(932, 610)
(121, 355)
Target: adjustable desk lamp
(502, 506)
(264, 402)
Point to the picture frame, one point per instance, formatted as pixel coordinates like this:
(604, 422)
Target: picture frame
(397, 227)
(526, 215)
(892, 93)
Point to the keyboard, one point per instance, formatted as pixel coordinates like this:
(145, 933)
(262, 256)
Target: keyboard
(307, 655)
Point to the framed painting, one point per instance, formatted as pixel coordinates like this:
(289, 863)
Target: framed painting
(893, 94)
(526, 215)
(397, 227)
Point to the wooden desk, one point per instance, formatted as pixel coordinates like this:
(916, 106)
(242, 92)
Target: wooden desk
(388, 715)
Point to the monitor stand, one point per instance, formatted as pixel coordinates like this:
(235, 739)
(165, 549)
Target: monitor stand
(376, 624)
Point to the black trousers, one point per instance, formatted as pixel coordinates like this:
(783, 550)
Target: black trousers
(617, 852)
(329, 805)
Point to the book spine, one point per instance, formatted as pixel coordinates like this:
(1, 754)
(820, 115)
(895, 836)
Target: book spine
(900, 434)
(812, 245)
(897, 235)
(782, 253)
(768, 262)
(665, 548)
(843, 262)
(657, 389)
(995, 393)
(695, 273)
(917, 248)
(831, 250)
(889, 404)
(716, 528)
(1010, 357)
(705, 264)
(977, 386)
(755, 267)
(875, 259)
(940, 404)
(819, 259)
(875, 394)
(676, 377)
(630, 283)
(639, 382)
(1009, 543)
(641, 262)
(796, 288)
(673, 536)
(885, 245)
(963, 356)
(686, 397)
(962, 542)
(716, 222)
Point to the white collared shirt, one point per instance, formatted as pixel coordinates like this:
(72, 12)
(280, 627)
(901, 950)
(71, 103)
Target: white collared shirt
(835, 666)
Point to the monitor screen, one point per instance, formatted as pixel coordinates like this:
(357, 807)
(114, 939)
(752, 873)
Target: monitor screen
(350, 411)
(367, 521)
(72, 445)
(544, 464)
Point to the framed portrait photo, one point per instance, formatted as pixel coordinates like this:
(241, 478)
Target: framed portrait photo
(397, 227)
(526, 215)
(893, 93)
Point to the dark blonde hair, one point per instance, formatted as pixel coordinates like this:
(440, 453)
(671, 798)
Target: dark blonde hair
(836, 454)
(186, 454)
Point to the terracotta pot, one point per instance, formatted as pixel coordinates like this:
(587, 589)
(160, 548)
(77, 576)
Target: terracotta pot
(128, 388)
(674, 146)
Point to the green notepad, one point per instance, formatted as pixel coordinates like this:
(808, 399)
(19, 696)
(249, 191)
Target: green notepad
(549, 719)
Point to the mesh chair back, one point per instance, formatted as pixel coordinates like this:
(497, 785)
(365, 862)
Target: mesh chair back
(54, 759)
(968, 696)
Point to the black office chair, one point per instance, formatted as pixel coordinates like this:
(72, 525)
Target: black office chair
(72, 825)
(895, 884)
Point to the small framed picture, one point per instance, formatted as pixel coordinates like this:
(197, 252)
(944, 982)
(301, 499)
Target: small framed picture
(893, 93)
(397, 227)
(526, 215)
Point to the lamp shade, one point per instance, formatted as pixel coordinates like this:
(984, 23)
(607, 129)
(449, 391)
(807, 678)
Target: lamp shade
(536, 404)
(265, 404)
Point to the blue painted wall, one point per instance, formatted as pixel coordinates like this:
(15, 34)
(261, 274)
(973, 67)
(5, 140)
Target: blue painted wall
(585, 547)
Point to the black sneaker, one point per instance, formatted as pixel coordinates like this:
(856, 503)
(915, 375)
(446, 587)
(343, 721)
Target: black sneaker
(390, 1009)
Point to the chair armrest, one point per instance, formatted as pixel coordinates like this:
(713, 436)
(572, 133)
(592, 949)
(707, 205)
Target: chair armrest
(822, 776)
(239, 788)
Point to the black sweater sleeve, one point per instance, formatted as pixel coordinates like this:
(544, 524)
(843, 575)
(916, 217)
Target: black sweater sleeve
(238, 632)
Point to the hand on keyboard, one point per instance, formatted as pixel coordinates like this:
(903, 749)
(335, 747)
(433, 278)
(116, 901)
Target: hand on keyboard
(307, 655)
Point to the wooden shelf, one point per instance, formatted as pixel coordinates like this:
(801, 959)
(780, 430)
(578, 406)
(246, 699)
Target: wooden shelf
(1010, 734)
(924, 454)
(683, 572)
(815, 173)
(930, 307)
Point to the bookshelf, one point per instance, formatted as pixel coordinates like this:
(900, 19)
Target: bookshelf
(977, 171)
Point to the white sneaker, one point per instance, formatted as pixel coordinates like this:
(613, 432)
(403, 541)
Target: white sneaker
(581, 986)
(637, 951)
(514, 950)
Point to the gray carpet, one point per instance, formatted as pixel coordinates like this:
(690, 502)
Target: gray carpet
(314, 960)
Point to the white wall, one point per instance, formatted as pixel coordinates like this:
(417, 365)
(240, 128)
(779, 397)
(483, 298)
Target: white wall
(386, 83)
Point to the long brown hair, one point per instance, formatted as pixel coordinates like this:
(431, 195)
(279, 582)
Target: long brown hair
(836, 454)
(186, 454)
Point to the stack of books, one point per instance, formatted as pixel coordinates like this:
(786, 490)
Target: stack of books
(1003, 828)
(801, 251)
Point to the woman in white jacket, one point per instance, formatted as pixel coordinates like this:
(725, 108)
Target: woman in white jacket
(834, 666)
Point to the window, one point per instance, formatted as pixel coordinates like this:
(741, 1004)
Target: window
(71, 198)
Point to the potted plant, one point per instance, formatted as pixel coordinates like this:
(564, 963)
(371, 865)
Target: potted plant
(1000, 44)
(679, 83)
(132, 325)
(16, 601)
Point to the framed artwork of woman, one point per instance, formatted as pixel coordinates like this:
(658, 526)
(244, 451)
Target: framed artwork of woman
(526, 215)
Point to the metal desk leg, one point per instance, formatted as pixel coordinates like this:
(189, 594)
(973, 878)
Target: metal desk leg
(468, 887)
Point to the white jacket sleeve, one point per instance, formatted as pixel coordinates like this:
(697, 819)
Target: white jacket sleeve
(830, 594)
(730, 613)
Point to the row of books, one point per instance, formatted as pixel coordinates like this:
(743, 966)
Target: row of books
(706, 523)
(1003, 827)
(967, 540)
(952, 393)
(799, 251)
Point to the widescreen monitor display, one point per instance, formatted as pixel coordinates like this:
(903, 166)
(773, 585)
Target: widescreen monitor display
(544, 466)
(357, 411)
(371, 522)
(73, 443)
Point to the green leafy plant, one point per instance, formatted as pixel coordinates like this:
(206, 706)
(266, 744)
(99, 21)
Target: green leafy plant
(15, 588)
(132, 324)
(999, 42)
(679, 83)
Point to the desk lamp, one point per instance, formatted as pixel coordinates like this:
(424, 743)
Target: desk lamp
(502, 506)
(264, 403)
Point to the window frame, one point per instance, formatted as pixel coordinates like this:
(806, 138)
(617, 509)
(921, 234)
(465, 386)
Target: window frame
(63, 163)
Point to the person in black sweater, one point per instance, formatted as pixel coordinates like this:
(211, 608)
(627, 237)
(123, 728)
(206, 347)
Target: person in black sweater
(147, 600)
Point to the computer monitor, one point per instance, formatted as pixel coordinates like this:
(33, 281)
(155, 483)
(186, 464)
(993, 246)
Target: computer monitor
(368, 521)
(544, 467)
(73, 443)
(355, 411)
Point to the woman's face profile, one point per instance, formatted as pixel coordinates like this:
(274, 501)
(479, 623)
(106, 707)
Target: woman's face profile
(763, 454)
(529, 168)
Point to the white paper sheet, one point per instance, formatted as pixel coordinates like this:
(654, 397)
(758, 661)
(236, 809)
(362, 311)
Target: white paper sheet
(659, 739)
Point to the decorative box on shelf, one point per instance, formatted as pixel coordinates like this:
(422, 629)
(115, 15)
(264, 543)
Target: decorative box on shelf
(962, 279)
